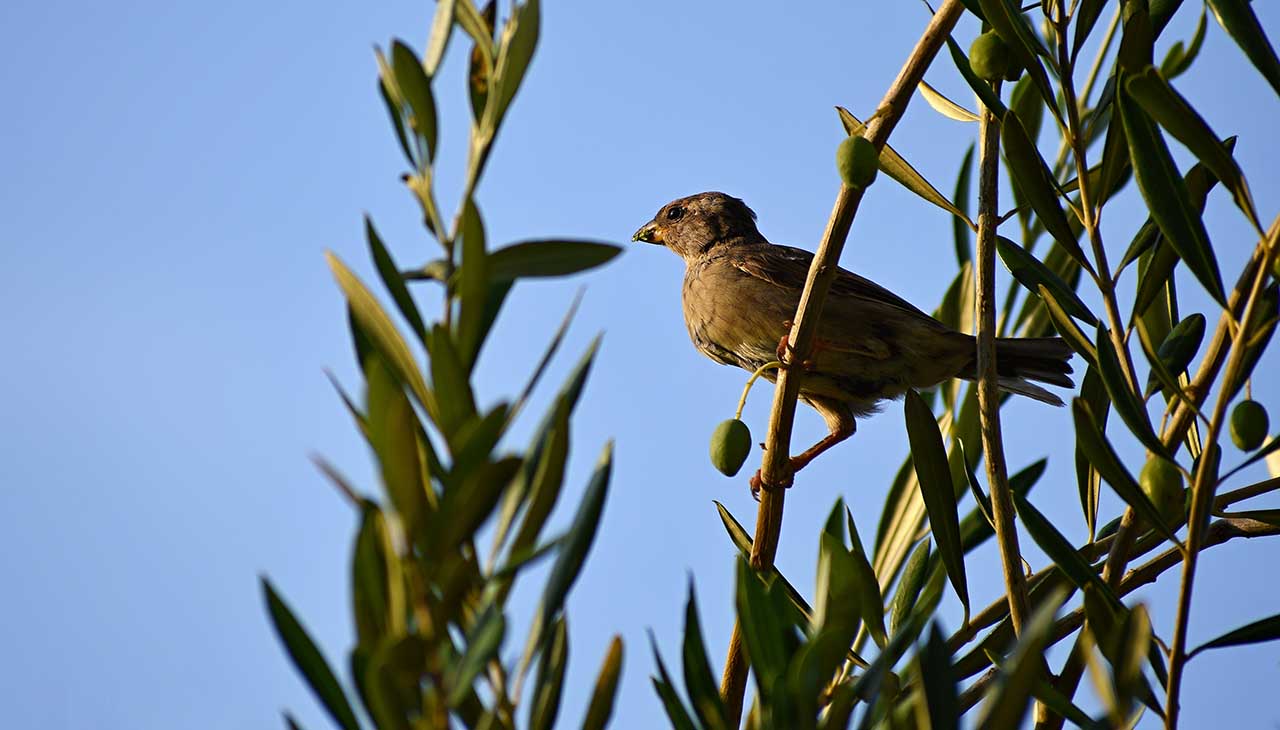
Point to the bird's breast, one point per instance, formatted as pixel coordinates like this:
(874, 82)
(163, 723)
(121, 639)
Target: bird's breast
(733, 318)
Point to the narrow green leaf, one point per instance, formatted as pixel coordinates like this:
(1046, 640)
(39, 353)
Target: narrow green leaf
(1199, 182)
(473, 287)
(1127, 404)
(1085, 16)
(450, 383)
(1024, 669)
(1088, 480)
(1030, 273)
(416, 88)
(936, 489)
(308, 659)
(394, 434)
(393, 101)
(467, 506)
(676, 712)
(896, 167)
(1070, 331)
(377, 589)
(565, 401)
(871, 601)
(546, 690)
(577, 541)
(547, 483)
(1168, 108)
(1238, 19)
(1167, 197)
(742, 541)
(939, 681)
(606, 689)
(704, 691)
(515, 51)
(767, 631)
(382, 334)
(391, 279)
(961, 232)
(552, 347)
(1060, 551)
(542, 258)
(483, 643)
(1036, 182)
(1093, 442)
(1180, 58)
(909, 585)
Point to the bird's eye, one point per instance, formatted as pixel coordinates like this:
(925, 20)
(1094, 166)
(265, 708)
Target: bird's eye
(675, 213)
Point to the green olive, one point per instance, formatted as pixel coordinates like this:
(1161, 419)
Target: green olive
(1248, 425)
(1162, 483)
(989, 56)
(730, 445)
(857, 161)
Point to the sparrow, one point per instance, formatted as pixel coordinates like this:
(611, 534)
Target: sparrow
(741, 291)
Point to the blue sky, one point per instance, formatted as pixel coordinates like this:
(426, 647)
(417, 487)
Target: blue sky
(172, 174)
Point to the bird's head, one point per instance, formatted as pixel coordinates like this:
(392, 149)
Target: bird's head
(692, 226)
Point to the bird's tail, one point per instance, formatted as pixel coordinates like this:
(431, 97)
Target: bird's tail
(1020, 360)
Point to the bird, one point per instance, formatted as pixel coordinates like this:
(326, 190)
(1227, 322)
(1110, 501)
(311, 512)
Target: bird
(740, 292)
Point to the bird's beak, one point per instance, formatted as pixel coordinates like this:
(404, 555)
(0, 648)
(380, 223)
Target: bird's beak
(648, 233)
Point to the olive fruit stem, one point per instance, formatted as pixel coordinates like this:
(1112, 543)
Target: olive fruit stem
(742, 402)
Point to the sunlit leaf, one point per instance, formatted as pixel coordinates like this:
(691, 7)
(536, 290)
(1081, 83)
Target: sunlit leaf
(438, 40)
(606, 688)
(945, 106)
(382, 334)
(899, 169)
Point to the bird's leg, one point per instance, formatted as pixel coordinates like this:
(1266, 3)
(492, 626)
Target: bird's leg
(838, 433)
(841, 424)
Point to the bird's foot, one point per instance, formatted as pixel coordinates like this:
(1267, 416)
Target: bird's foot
(758, 483)
(785, 352)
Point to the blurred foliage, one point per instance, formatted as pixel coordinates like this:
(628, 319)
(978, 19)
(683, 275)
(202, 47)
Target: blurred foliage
(429, 604)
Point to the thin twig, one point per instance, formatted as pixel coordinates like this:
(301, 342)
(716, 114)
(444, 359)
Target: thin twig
(774, 470)
(1202, 489)
(988, 393)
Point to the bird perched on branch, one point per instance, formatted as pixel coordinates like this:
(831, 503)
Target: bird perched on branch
(740, 293)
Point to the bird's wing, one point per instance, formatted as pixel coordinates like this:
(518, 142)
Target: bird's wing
(856, 310)
(788, 267)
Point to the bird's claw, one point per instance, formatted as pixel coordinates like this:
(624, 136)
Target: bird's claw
(758, 483)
